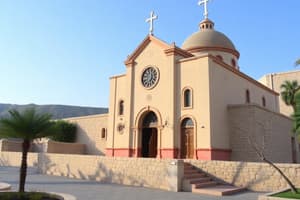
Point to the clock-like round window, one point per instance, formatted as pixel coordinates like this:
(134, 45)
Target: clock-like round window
(150, 77)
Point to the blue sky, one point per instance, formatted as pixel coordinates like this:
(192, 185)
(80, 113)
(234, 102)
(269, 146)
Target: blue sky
(64, 51)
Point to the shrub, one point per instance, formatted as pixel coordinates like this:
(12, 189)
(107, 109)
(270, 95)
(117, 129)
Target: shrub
(67, 132)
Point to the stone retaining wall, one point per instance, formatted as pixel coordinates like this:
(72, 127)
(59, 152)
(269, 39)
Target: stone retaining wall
(255, 176)
(155, 173)
(14, 159)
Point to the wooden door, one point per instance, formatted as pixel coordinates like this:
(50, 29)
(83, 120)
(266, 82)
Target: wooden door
(153, 143)
(187, 143)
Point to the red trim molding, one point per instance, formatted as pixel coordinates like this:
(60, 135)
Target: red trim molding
(197, 49)
(120, 152)
(169, 153)
(128, 152)
(213, 154)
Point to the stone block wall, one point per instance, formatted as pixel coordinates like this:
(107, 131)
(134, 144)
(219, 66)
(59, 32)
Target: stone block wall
(162, 174)
(255, 176)
(153, 173)
(269, 130)
(65, 148)
(10, 145)
(14, 159)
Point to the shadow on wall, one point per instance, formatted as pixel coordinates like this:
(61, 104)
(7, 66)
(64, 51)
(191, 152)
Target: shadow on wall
(91, 147)
(129, 174)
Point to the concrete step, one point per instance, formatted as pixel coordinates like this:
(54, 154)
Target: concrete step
(188, 167)
(187, 184)
(194, 175)
(204, 184)
(199, 180)
(218, 190)
(190, 171)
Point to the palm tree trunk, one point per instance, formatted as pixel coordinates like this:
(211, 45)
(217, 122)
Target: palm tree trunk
(23, 169)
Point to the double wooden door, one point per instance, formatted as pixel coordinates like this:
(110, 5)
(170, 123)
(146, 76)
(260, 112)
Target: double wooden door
(187, 143)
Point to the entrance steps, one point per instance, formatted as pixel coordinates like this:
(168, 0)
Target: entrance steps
(199, 182)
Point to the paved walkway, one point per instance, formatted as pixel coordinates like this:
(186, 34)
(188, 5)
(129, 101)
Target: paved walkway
(90, 190)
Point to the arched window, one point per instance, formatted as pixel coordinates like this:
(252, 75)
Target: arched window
(121, 107)
(219, 57)
(150, 120)
(247, 96)
(264, 102)
(187, 98)
(187, 122)
(103, 133)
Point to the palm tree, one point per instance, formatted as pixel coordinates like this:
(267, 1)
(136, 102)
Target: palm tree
(289, 89)
(297, 62)
(297, 114)
(27, 125)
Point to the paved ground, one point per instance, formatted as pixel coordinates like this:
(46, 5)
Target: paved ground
(90, 190)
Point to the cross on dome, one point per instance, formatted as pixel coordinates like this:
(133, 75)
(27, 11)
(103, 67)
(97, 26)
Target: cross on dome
(204, 2)
(150, 21)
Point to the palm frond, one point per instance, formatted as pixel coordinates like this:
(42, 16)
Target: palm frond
(27, 125)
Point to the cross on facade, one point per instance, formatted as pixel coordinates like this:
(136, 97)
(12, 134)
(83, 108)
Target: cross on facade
(150, 21)
(204, 2)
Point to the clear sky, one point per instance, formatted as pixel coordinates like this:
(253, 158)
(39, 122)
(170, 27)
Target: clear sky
(64, 51)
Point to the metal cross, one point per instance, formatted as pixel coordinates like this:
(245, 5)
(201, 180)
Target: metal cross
(204, 2)
(150, 21)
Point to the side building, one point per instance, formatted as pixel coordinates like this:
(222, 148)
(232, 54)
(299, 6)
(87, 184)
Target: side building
(274, 82)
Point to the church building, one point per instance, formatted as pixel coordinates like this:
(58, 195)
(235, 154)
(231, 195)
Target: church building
(191, 102)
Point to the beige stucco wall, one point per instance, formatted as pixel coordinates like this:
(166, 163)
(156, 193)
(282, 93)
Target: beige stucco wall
(160, 98)
(199, 111)
(255, 176)
(89, 132)
(274, 81)
(118, 93)
(259, 124)
(138, 100)
(229, 88)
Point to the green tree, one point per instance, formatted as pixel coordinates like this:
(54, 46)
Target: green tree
(297, 62)
(67, 132)
(27, 125)
(289, 90)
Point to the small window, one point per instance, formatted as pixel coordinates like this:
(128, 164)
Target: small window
(219, 57)
(187, 98)
(121, 107)
(264, 102)
(103, 133)
(247, 96)
(233, 62)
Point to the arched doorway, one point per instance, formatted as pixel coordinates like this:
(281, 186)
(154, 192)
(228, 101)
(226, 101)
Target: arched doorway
(187, 138)
(149, 136)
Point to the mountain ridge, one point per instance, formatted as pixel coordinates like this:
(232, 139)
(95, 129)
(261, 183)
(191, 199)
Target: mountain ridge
(57, 111)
